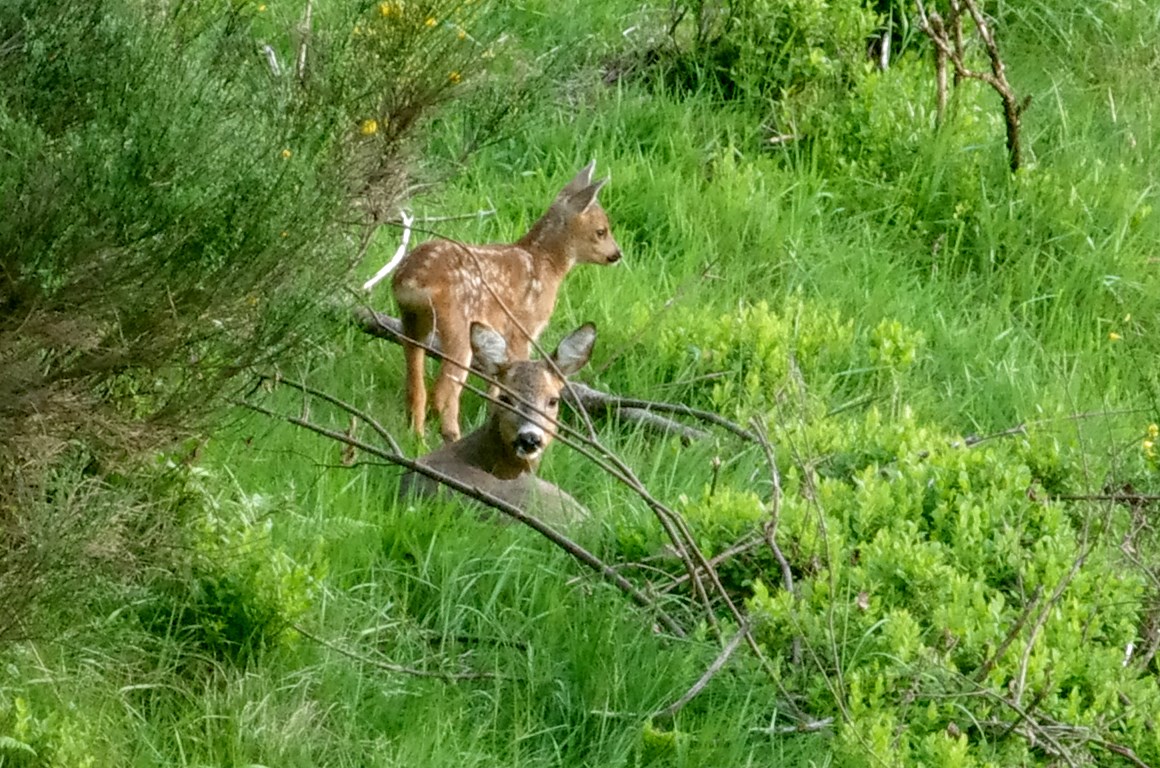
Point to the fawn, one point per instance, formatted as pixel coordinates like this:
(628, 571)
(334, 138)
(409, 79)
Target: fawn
(445, 286)
(501, 456)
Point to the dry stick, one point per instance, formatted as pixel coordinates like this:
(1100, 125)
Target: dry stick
(709, 674)
(940, 69)
(989, 664)
(388, 666)
(774, 519)
(1121, 750)
(972, 440)
(1012, 109)
(610, 401)
(716, 560)
(569, 546)
(1119, 498)
(1036, 728)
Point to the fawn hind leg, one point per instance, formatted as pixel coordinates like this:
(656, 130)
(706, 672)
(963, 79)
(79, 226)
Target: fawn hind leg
(417, 326)
(449, 384)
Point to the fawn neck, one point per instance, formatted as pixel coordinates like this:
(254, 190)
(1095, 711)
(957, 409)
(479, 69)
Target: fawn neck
(551, 237)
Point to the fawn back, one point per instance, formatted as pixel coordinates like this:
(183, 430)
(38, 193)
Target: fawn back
(445, 286)
(501, 456)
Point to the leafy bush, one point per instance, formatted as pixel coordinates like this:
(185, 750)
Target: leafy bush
(178, 198)
(766, 49)
(241, 591)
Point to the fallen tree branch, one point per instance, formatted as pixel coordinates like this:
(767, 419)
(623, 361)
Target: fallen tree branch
(561, 541)
(644, 412)
(697, 565)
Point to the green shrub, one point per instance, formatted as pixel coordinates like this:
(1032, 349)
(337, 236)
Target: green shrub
(178, 203)
(766, 49)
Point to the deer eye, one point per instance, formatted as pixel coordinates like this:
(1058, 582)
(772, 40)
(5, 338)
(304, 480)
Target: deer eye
(601, 232)
(554, 402)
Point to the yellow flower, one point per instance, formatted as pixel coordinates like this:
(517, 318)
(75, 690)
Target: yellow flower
(261, 9)
(387, 9)
(1113, 336)
(430, 21)
(1153, 431)
(369, 127)
(461, 33)
(454, 77)
(285, 233)
(286, 154)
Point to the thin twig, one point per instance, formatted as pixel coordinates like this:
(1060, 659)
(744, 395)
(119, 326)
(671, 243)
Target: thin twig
(987, 665)
(305, 32)
(736, 549)
(353, 411)
(703, 680)
(388, 666)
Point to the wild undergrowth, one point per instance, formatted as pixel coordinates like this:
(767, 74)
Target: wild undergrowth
(954, 366)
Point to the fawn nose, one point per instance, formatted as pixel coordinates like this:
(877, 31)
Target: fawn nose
(615, 257)
(529, 442)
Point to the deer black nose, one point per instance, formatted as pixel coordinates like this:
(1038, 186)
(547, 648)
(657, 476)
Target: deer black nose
(529, 442)
(614, 257)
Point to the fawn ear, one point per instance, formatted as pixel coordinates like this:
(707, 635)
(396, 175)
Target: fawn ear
(581, 201)
(578, 182)
(488, 349)
(575, 349)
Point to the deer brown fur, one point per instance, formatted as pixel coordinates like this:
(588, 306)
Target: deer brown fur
(445, 286)
(501, 456)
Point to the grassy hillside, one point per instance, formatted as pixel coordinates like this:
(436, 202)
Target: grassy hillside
(880, 292)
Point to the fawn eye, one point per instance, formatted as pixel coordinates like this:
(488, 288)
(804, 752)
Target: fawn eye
(554, 402)
(601, 232)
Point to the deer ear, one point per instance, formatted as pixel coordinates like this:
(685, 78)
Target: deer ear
(575, 349)
(488, 349)
(578, 182)
(584, 199)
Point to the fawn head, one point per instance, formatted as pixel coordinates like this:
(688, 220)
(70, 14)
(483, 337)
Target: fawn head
(589, 236)
(529, 391)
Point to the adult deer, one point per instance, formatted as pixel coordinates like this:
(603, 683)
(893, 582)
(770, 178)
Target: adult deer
(501, 456)
(445, 286)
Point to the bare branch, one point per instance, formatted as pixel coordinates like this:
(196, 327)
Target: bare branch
(947, 38)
